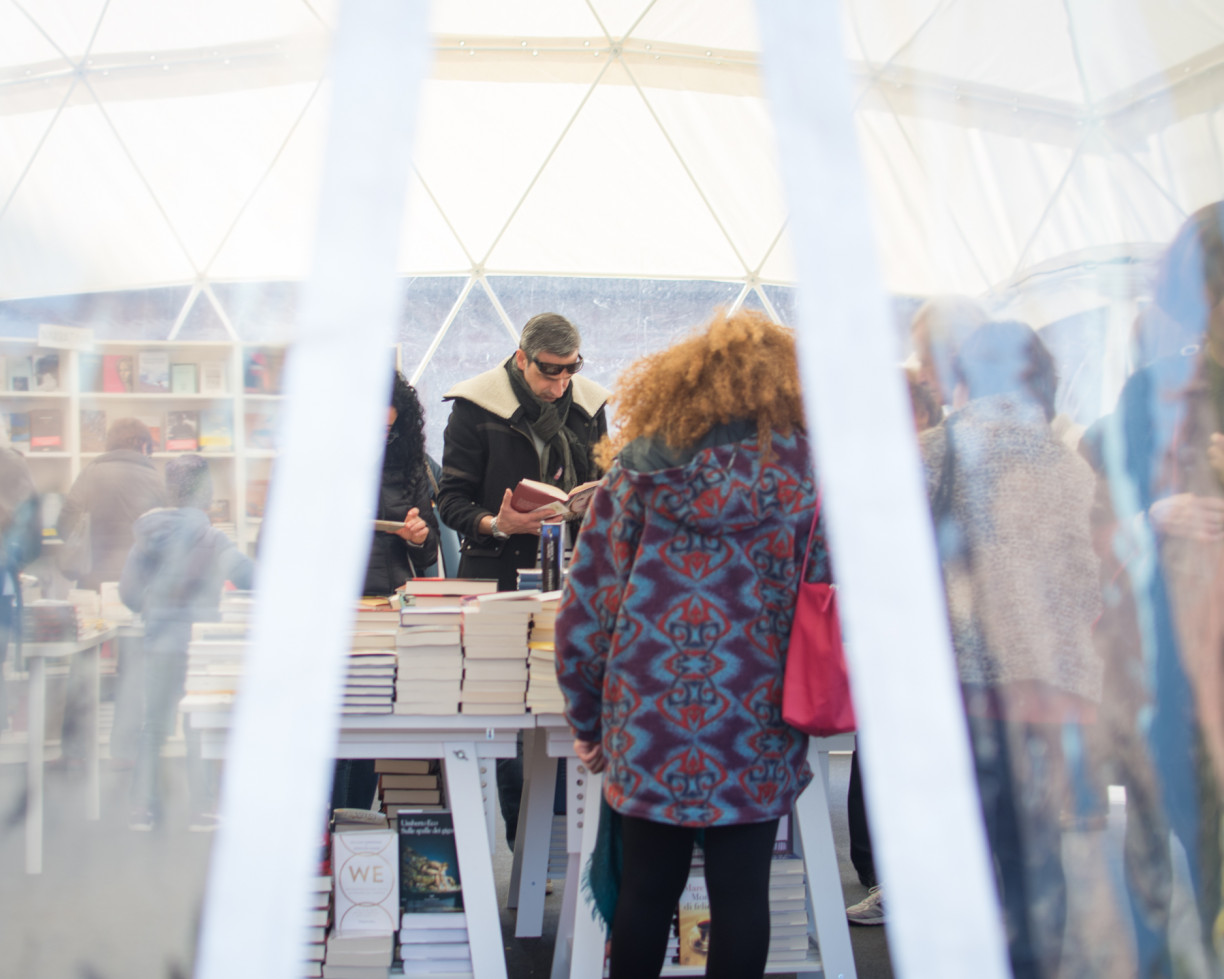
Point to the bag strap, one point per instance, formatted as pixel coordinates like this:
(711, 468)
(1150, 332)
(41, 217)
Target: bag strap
(807, 551)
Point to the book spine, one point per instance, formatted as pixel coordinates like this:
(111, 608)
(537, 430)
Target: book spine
(550, 555)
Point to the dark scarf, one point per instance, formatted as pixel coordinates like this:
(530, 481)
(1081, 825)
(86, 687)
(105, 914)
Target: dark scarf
(564, 461)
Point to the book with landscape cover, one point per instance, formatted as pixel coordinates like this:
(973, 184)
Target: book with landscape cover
(19, 429)
(216, 430)
(153, 372)
(182, 431)
(531, 495)
(46, 430)
(429, 863)
(93, 430)
(20, 371)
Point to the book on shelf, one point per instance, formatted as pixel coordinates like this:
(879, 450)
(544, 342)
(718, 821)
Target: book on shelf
(389, 780)
(93, 430)
(212, 378)
(532, 496)
(184, 379)
(261, 371)
(373, 639)
(182, 431)
(46, 372)
(551, 551)
(429, 863)
(256, 497)
(118, 373)
(19, 430)
(408, 797)
(153, 372)
(365, 867)
(260, 428)
(154, 424)
(46, 430)
(219, 512)
(359, 947)
(20, 371)
(89, 373)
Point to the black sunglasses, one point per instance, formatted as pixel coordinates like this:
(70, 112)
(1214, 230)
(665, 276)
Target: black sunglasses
(555, 370)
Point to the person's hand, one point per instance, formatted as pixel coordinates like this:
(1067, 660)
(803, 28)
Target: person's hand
(590, 753)
(1215, 455)
(511, 521)
(414, 530)
(1189, 516)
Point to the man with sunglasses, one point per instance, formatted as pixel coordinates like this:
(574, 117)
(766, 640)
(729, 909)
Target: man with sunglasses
(532, 416)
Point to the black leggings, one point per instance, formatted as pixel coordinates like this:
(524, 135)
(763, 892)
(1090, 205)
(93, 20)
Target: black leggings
(656, 865)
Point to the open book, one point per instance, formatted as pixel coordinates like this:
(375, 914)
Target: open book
(531, 496)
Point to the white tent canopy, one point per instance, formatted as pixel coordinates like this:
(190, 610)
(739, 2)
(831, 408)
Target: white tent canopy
(144, 145)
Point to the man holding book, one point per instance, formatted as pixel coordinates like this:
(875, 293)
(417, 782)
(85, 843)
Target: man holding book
(530, 417)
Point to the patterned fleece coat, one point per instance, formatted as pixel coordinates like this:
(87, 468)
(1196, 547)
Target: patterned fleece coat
(674, 625)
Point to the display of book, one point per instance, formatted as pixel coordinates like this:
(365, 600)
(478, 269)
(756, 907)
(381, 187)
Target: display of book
(531, 496)
(153, 372)
(46, 430)
(182, 431)
(365, 866)
(429, 863)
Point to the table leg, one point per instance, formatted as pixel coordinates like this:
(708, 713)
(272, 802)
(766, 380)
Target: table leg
(589, 939)
(563, 948)
(823, 875)
(475, 861)
(93, 788)
(36, 723)
(530, 879)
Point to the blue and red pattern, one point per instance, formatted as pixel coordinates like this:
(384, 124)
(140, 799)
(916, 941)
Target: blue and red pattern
(672, 635)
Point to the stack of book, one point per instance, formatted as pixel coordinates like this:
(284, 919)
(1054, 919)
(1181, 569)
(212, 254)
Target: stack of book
(358, 955)
(441, 592)
(495, 630)
(430, 660)
(408, 783)
(47, 620)
(214, 663)
(316, 928)
(369, 684)
(543, 694)
(788, 919)
(433, 926)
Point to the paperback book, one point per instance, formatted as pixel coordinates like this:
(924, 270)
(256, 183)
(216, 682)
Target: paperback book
(429, 863)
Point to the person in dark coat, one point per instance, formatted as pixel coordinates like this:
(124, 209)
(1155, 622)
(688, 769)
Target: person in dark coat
(111, 492)
(673, 631)
(173, 577)
(531, 417)
(405, 494)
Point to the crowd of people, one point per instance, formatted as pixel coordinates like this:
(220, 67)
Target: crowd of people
(1083, 571)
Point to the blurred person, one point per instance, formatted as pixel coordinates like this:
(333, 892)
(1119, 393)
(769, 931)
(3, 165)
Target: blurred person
(405, 493)
(1159, 633)
(1012, 506)
(938, 328)
(532, 416)
(673, 630)
(21, 542)
(174, 575)
(870, 910)
(111, 492)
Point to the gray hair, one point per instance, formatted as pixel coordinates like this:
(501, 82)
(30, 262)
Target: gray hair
(549, 333)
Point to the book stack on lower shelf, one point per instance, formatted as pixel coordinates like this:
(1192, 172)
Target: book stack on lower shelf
(316, 929)
(408, 783)
(433, 936)
(369, 682)
(495, 635)
(430, 661)
(543, 694)
(365, 866)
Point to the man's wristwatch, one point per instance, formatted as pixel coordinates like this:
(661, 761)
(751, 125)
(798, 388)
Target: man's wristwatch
(496, 532)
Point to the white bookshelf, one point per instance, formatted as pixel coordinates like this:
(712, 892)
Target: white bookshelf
(236, 470)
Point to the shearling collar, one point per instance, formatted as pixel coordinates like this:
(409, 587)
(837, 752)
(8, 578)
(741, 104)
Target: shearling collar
(492, 392)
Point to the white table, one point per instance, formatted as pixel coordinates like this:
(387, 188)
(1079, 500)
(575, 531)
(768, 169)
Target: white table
(469, 745)
(36, 655)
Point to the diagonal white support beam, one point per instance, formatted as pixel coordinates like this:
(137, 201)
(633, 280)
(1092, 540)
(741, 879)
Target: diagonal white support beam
(919, 774)
(283, 733)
